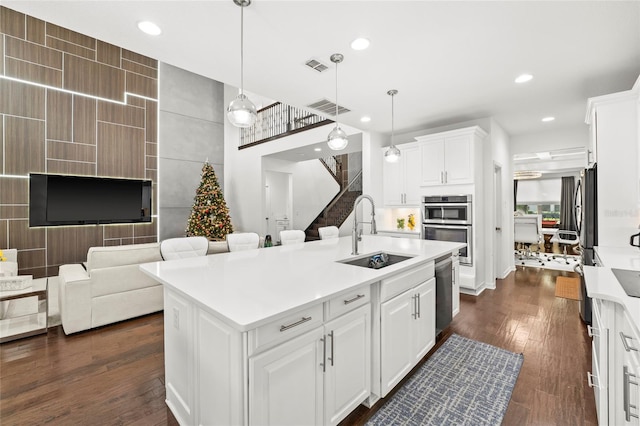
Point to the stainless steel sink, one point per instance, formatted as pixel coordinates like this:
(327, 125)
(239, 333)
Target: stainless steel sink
(376, 260)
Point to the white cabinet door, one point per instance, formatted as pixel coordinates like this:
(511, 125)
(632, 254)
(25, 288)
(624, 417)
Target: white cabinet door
(412, 175)
(424, 324)
(286, 383)
(393, 183)
(348, 369)
(628, 372)
(397, 316)
(458, 160)
(433, 162)
(401, 180)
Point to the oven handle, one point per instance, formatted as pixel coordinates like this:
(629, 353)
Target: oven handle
(447, 205)
(446, 226)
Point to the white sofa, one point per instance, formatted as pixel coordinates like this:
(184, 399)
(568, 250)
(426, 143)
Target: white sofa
(110, 287)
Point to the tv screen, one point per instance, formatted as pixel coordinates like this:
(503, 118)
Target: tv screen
(83, 200)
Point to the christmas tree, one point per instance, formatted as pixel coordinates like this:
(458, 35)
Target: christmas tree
(210, 215)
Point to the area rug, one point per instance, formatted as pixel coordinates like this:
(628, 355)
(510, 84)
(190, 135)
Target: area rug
(568, 287)
(465, 382)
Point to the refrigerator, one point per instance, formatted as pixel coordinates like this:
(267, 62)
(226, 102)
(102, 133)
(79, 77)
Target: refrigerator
(586, 215)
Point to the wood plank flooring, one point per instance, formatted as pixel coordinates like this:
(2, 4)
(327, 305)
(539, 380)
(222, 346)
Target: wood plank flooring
(115, 375)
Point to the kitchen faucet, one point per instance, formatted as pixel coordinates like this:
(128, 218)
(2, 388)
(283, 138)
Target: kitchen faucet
(355, 235)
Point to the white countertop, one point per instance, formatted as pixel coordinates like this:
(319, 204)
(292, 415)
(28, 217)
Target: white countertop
(249, 288)
(602, 283)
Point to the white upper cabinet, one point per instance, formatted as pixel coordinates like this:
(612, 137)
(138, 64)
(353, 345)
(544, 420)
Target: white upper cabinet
(449, 158)
(401, 180)
(614, 125)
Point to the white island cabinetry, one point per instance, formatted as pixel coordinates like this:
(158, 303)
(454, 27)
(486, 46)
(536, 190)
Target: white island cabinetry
(290, 350)
(615, 329)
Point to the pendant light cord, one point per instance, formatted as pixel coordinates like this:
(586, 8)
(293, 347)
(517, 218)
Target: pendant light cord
(337, 124)
(392, 119)
(242, 49)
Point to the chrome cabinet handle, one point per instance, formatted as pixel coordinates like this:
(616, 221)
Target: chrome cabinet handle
(624, 338)
(414, 314)
(592, 331)
(446, 179)
(418, 304)
(626, 392)
(590, 380)
(353, 299)
(332, 344)
(324, 354)
(287, 327)
(441, 177)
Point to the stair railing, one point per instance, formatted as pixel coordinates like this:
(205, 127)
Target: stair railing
(354, 185)
(278, 120)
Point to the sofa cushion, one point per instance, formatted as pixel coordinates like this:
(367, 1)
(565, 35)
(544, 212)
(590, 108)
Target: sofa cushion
(106, 257)
(119, 279)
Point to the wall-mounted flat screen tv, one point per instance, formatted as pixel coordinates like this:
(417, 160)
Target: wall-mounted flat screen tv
(84, 200)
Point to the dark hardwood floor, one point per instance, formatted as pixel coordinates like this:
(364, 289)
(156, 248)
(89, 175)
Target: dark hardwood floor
(115, 375)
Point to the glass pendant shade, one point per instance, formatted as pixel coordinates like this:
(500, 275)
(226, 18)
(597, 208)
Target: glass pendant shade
(242, 112)
(337, 139)
(392, 155)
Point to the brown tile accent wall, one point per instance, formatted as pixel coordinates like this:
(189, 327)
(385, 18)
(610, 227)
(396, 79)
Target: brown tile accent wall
(48, 130)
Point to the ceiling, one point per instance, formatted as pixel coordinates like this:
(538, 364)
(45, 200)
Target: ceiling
(451, 61)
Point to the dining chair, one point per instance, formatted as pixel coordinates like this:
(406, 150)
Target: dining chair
(183, 247)
(327, 232)
(291, 236)
(243, 241)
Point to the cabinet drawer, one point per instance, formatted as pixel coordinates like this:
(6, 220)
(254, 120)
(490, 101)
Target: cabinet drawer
(348, 302)
(284, 329)
(630, 338)
(393, 286)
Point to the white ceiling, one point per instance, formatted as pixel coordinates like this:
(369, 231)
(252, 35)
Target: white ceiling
(451, 61)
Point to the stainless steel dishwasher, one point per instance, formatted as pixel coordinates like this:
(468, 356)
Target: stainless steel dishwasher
(444, 296)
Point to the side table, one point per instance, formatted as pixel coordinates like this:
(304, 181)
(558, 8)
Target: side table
(28, 323)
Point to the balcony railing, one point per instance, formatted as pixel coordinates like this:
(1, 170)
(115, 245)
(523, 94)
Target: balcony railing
(279, 120)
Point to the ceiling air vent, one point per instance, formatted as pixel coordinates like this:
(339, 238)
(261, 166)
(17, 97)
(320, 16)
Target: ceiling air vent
(327, 107)
(316, 65)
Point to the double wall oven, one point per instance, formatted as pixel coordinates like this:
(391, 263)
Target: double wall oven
(449, 218)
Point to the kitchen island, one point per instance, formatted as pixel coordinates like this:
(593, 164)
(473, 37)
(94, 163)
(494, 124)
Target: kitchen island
(615, 331)
(291, 334)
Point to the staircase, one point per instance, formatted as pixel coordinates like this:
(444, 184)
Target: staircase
(338, 209)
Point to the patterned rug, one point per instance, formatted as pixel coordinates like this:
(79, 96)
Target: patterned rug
(465, 382)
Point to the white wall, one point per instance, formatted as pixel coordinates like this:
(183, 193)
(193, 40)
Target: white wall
(243, 172)
(501, 156)
(551, 140)
(312, 188)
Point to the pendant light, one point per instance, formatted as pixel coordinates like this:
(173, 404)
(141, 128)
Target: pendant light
(392, 155)
(337, 139)
(241, 111)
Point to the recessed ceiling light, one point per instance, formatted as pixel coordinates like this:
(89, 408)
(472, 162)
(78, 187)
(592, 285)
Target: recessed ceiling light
(360, 44)
(150, 28)
(523, 78)
(547, 119)
(365, 119)
(317, 149)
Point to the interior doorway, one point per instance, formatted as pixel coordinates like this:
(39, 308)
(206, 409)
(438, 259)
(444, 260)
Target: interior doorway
(278, 196)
